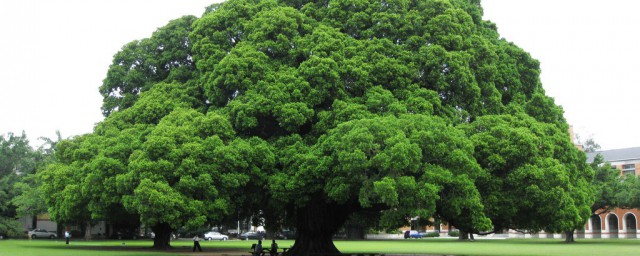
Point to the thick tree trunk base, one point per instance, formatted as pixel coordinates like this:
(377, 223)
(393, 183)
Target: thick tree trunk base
(316, 224)
(163, 236)
(87, 231)
(308, 246)
(569, 238)
(464, 236)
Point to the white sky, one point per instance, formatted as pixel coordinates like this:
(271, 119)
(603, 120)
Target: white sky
(590, 60)
(55, 53)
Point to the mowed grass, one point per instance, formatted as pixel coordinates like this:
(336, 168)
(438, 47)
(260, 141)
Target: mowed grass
(543, 247)
(529, 247)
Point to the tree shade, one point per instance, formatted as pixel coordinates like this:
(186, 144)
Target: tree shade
(310, 111)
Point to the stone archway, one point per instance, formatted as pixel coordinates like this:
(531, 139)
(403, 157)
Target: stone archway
(596, 226)
(630, 225)
(612, 225)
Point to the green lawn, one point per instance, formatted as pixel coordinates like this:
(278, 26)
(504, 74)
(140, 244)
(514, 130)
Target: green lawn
(422, 246)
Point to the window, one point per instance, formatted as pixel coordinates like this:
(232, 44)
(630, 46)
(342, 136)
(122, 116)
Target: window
(629, 169)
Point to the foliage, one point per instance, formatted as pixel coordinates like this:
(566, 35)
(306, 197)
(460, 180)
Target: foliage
(454, 233)
(17, 160)
(29, 199)
(165, 57)
(549, 172)
(432, 234)
(308, 112)
(591, 146)
(10, 227)
(627, 197)
(609, 186)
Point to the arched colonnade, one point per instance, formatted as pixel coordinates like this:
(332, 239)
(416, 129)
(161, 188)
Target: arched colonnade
(619, 223)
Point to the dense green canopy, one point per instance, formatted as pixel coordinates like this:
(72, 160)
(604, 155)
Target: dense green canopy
(315, 110)
(16, 158)
(19, 196)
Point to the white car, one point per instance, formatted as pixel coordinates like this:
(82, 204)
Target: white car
(212, 235)
(41, 233)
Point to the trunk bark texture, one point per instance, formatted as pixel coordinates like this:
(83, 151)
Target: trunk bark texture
(163, 236)
(569, 237)
(316, 224)
(463, 235)
(87, 231)
(355, 233)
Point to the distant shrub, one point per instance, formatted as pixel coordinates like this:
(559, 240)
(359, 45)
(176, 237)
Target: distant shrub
(432, 234)
(454, 233)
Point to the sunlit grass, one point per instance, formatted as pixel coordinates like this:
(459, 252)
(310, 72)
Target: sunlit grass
(533, 247)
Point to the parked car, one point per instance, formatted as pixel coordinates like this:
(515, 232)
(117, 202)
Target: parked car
(252, 235)
(126, 234)
(415, 234)
(231, 233)
(286, 234)
(41, 233)
(213, 235)
(152, 235)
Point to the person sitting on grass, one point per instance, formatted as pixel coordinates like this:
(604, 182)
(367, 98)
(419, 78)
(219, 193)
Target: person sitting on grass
(258, 248)
(274, 248)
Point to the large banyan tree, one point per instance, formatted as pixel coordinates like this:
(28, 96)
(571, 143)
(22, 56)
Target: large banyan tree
(312, 111)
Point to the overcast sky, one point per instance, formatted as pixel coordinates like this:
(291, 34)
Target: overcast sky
(590, 60)
(55, 53)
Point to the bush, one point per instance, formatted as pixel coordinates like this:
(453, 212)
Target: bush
(10, 227)
(432, 234)
(454, 233)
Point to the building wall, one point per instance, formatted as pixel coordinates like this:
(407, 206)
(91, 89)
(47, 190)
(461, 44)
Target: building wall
(620, 166)
(618, 223)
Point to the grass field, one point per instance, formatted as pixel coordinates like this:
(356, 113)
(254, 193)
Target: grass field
(423, 246)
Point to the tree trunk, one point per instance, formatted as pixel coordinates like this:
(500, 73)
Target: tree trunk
(569, 237)
(355, 232)
(316, 224)
(163, 236)
(463, 235)
(60, 229)
(87, 231)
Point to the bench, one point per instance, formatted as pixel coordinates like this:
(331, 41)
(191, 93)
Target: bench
(267, 252)
(349, 254)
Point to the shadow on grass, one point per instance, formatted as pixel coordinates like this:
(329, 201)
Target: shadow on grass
(180, 249)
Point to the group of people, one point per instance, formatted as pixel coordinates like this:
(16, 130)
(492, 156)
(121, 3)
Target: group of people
(257, 249)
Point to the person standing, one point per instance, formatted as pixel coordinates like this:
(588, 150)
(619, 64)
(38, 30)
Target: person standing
(196, 243)
(67, 236)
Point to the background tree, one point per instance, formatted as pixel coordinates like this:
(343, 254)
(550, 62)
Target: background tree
(29, 199)
(608, 184)
(62, 180)
(17, 160)
(629, 191)
(320, 110)
(527, 164)
(589, 144)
